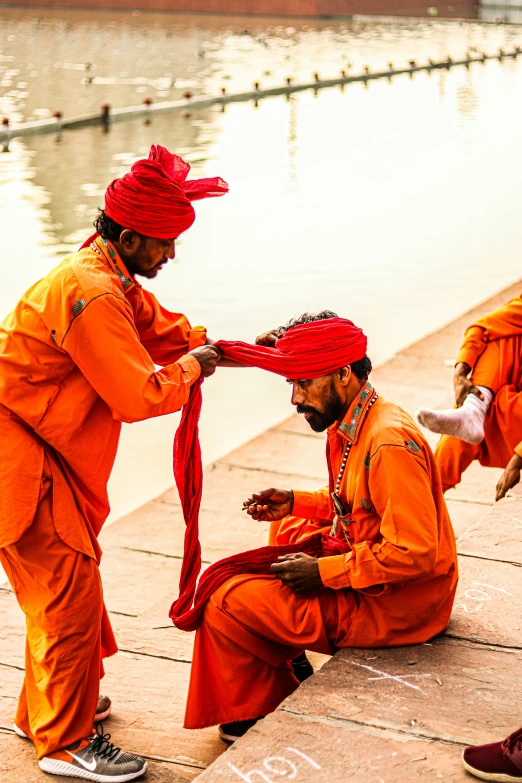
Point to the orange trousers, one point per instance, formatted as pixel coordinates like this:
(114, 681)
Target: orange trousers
(59, 591)
(253, 626)
(499, 368)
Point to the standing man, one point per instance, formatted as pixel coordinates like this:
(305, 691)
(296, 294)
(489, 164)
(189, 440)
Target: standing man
(388, 573)
(77, 358)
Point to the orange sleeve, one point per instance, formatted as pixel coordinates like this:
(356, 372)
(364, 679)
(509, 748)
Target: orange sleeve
(504, 322)
(518, 450)
(473, 346)
(313, 504)
(401, 494)
(166, 336)
(104, 344)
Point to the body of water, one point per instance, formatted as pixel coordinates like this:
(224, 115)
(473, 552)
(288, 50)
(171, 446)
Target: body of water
(397, 205)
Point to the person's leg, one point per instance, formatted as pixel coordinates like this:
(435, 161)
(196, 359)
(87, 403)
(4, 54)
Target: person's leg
(492, 371)
(453, 456)
(252, 629)
(59, 590)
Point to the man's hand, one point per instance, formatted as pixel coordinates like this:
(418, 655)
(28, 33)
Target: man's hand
(268, 338)
(300, 572)
(510, 477)
(269, 505)
(464, 385)
(208, 357)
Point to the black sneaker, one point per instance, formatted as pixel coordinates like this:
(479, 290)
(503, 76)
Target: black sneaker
(230, 732)
(94, 758)
(302, 667)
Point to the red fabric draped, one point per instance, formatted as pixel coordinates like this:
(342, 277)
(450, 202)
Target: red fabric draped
(306, 351)
(154, 198)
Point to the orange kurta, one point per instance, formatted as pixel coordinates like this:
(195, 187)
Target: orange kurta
(492, 347)
(77, 358)
(396, 585)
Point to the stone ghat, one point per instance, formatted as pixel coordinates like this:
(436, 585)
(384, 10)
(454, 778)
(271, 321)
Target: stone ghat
(58, 123)
(393, 715)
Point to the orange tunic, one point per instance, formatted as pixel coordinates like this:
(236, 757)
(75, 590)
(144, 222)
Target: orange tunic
(396, 586)
(493, 349)
(77, 358)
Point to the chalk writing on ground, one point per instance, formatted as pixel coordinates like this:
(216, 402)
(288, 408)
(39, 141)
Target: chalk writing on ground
(402, 679)
(279, 767)
(477, 598)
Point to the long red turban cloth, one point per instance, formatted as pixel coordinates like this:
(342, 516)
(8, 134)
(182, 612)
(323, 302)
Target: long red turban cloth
(306, 351)
(154, 198)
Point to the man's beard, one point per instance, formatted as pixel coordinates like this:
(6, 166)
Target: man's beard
(332, 412)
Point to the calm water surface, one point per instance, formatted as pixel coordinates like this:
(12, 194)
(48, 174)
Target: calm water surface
(398, 205)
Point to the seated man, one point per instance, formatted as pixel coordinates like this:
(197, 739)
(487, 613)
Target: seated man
(392, 577)
(487, 423)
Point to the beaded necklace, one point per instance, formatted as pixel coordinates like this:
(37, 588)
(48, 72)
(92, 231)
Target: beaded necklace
(340, 509)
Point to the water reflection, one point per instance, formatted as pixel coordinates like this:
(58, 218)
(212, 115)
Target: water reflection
(397, 205)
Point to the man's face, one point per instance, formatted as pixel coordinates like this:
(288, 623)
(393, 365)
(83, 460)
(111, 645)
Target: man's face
(319, 400)
(145, 256)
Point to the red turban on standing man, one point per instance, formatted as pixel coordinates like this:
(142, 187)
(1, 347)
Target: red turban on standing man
(154, 198)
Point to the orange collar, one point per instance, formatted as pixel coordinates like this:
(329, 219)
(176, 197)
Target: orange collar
(350, 426)
(113, 260)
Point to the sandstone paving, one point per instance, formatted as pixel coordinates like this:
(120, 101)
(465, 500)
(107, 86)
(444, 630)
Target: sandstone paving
(447, 690)
(308, 749)
(488, 604)
(462, 687)
(497, 534)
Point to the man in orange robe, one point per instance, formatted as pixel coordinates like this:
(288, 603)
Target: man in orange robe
(77, 358)
(393, 582)
(487, 423)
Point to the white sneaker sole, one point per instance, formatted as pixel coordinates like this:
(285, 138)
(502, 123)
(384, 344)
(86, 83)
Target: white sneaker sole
(20, 733)
(227, 737)
(491, 776)
(57, 767)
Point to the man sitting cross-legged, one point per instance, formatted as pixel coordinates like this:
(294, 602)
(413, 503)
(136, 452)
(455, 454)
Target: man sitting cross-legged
(487, 423)
(392, 577)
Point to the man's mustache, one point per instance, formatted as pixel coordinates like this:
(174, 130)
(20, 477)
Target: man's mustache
(307, 409)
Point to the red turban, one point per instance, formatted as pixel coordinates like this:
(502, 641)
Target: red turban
(154, 198)
(306, 351)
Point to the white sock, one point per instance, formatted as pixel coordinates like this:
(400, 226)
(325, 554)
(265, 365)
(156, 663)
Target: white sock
(466, 423)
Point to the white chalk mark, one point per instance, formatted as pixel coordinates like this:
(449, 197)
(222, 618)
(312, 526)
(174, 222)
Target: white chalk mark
(491, 587)
(312, 763)
(268, 764)
(401, 679)
(469, 611)
(409, 676)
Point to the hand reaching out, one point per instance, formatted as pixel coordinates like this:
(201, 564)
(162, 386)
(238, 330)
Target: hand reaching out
(270, 504)
(510, 477)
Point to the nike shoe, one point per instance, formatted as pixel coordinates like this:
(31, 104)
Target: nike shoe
(94, 758)
(230, 732)
(18, 730)
(498, 761)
